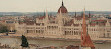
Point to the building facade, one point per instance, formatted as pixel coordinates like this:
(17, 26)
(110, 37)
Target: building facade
(63, 26)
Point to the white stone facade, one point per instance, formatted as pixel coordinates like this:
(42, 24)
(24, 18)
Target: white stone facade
(62, 27)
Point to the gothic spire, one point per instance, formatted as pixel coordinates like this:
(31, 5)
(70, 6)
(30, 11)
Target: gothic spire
(62, 3)
(107, 23)
(84, 23)
(75, 14)
(44, 13)
(89, 14)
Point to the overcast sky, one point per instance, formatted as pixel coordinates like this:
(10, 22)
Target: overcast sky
(53, 5)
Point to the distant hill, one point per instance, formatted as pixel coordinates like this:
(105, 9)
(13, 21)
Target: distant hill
(94, 12)
(51, 13)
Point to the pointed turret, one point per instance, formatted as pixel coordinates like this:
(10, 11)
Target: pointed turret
(89, 17)
(89, 14)
(75, 14)
(107, 23)
(44, 13)
(46, 17)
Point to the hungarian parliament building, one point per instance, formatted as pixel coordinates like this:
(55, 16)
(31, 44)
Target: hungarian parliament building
(64, 26)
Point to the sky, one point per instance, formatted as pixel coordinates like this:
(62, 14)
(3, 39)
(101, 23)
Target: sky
(53, 5)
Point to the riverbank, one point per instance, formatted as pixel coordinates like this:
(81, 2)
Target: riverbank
(16, 42)
(42, 38)
(55, 39)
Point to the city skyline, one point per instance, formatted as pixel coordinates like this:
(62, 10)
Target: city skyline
(53, 5)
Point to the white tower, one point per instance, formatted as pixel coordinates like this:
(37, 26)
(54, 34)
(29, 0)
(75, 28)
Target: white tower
(107, 29)
(107, 24)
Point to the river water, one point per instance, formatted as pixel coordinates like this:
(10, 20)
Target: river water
(17, 41)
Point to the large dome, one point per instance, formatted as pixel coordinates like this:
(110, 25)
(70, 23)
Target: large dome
(63, 9)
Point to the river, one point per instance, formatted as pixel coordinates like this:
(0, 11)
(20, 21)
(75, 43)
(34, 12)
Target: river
(42, 42)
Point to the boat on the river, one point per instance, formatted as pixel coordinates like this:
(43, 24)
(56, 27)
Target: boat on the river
(99, 42)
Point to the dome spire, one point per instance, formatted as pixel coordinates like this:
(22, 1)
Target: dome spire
(62, 3)
(63, 9)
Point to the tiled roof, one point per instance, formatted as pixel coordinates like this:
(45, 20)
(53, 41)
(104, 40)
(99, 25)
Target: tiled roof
(71, 23)
(42, 17)
(98, 22)
(30, 22)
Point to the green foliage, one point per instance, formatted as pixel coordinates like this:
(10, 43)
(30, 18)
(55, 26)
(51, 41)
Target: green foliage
(24, 41)
(3, 29)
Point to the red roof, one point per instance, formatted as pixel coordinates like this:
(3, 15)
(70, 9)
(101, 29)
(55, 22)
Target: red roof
(93, 24)
(42, 17)
(30, 22)
(98, 22)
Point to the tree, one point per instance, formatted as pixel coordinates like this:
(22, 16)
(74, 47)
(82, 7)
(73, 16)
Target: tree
(4, 29)
(24, 41)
